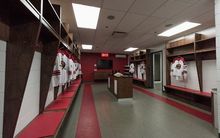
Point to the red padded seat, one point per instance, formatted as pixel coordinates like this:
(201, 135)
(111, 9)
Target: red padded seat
(44, 125)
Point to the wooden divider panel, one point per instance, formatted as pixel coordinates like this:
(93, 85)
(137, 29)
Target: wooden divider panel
(48, 58)
(19, 56)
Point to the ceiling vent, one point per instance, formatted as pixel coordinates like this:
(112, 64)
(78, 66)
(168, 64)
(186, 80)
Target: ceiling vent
(117, 34)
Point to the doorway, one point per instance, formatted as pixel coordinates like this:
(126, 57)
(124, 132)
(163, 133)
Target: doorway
(158, 70)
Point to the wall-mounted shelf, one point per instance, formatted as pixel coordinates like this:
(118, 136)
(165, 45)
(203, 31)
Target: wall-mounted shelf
(183, 54)
(206, 50)
(137, 60)
(179, 46)
(205, 40)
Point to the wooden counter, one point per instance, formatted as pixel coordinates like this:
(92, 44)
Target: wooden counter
(120, 87)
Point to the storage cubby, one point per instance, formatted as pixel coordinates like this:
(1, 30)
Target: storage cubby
(57, 9)
(126, 70)
(51, 16)
(12, 14)
(186, 51)
(46, 35)
(206, 45)
(64, 34)
(36, 4)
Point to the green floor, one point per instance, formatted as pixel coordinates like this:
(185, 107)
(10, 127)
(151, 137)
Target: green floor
(144, 117)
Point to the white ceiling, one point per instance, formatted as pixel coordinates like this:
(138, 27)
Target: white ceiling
(141, 19)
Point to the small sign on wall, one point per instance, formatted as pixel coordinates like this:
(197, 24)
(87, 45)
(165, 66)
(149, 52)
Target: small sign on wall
(105, 55)
(115, 87)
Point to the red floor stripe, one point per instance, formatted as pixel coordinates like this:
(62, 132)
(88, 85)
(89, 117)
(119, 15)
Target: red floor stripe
(187, 109)
(88, 126)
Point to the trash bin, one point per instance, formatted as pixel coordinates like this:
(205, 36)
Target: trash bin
(215, 107)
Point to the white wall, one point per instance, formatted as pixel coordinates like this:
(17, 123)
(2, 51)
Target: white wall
(209, 75)
(60, 90)
(217, 24)
(30, 104)
(50, 95)
(2, 81)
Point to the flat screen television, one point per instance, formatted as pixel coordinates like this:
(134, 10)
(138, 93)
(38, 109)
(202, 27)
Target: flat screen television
(104, 64)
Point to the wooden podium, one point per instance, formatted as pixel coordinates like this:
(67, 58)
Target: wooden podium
(120, 87)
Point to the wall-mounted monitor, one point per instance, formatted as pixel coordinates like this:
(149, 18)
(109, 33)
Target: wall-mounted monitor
(104, 64)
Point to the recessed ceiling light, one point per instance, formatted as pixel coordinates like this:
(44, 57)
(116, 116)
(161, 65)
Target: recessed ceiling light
(86, 16)
(130, 49)
(86, 47)
(111, 17)
(179, 28)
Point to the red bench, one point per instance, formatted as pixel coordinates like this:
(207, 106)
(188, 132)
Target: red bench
(44, 125)
(196, 92)
(49, 122)
(200, 98)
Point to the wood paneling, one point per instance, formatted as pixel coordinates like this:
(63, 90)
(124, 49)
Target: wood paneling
(199, 72)
(168, 78)
(149, 69)
(4, 32)
(56, 90)
(19, 58)
(48, 58)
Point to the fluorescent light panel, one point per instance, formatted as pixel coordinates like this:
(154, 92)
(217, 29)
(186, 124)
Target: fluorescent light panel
(179, 28)
(130, 49)
(86, 16)
(86, 47)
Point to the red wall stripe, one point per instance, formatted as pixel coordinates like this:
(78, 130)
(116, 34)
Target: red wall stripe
(187, 109)
(88, 126)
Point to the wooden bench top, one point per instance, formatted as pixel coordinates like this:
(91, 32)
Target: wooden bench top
(196, 92)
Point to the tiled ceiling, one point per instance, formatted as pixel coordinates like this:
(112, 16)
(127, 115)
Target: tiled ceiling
(142, 20)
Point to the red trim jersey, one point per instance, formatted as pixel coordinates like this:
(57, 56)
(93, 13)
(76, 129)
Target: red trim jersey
(56, 71)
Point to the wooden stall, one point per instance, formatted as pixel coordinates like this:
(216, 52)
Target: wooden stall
(196, 48)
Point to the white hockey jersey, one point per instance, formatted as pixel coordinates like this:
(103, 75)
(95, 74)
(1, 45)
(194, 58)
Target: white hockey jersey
(179, 69)
(57, 71)
(64, 73)
(71, 69)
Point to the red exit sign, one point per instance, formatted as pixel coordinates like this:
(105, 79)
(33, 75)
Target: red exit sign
(104, 54)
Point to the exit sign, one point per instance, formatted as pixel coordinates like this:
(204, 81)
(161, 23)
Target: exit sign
(104, 55)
